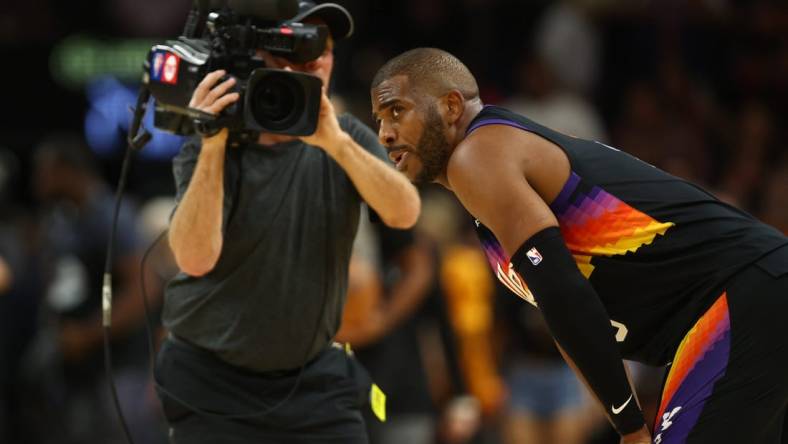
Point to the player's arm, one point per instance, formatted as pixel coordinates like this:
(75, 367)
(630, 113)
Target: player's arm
(487, 175)
(383, 188)
(195, 233)
(641, 436)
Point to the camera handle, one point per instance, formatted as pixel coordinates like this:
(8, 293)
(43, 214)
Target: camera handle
(208, 125)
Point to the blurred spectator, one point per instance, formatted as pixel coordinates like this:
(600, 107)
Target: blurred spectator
(469, 291)
(661, 124)
(539, 96)
(685, 151)
(547, 403)
(76, 221)
(390, 276)
(8, 169)
(6, 278)
(19, 296)
(568, 41)
(641, 124)
(473, 398)
(744, 175)
(774, 207)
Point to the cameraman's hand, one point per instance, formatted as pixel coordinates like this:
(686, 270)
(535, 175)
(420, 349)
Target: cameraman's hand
(328, 135)
(212, 98)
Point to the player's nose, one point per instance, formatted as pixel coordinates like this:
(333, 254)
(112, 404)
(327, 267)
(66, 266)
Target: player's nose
(386, 134)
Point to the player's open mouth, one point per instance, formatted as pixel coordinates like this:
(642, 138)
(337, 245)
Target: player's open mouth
(398, 157)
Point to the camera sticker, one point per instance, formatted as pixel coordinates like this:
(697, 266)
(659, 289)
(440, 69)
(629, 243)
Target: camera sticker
(170, 71)
(164, 67)
(155, 67)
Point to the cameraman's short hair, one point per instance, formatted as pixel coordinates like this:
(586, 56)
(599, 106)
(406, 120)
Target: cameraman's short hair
(430, 70)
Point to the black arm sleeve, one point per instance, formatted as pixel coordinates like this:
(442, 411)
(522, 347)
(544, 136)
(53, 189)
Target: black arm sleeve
(579, 323)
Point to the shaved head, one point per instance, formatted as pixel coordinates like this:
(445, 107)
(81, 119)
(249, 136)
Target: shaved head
(423, 101)
(432, 71)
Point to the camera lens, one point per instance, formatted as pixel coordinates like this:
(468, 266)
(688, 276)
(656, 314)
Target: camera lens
(282, 102)
(276, 101)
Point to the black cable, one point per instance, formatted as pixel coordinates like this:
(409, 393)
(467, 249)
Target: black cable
(113, 389)
(136, 139)
(106, 295)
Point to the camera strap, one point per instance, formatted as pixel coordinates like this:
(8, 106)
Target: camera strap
(208, 128)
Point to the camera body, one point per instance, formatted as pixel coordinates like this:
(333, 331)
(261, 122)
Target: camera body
(271, 100)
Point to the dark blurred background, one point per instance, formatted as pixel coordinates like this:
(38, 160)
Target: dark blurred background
(696, 87)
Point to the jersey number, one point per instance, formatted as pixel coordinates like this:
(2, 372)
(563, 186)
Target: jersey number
(512, 281)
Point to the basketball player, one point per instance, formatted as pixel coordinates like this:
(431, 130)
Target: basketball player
(622, 259)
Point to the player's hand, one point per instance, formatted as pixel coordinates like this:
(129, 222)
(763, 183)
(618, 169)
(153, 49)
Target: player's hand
(212, 98)
(641, 436)
(329, 135)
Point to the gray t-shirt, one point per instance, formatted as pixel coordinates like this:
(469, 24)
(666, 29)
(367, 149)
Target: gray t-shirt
(290, 217)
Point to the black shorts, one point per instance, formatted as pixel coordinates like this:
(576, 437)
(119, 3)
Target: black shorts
(728, 382)
(325, 408)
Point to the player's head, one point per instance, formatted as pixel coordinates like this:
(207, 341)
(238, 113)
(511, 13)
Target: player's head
(340, 26)
(418, 99)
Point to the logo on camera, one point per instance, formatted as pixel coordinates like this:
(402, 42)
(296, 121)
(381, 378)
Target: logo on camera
(155, 69)
(170, 71)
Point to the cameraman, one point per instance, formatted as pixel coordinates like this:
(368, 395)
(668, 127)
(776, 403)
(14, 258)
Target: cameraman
(262, 234)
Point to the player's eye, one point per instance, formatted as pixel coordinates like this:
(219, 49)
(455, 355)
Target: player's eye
(396, 110)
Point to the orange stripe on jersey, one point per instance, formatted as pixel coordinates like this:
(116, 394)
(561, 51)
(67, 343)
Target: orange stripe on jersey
(710, 329)
(597, 223)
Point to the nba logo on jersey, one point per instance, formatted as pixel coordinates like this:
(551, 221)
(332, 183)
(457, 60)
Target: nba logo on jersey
(534, 256)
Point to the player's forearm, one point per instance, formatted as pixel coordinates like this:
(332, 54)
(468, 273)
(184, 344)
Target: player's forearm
(387, 191)
(579, 323)
(196, 228)
(633, 437)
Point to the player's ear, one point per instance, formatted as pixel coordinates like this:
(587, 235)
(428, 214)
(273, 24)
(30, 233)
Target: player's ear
(453, 106)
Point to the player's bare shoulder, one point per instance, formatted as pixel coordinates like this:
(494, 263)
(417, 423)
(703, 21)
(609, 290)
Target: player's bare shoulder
(471, 158)
(482, 159)
(492, 145)
(503, 150)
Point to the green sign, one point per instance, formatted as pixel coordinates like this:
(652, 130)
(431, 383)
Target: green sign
(78, 59)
